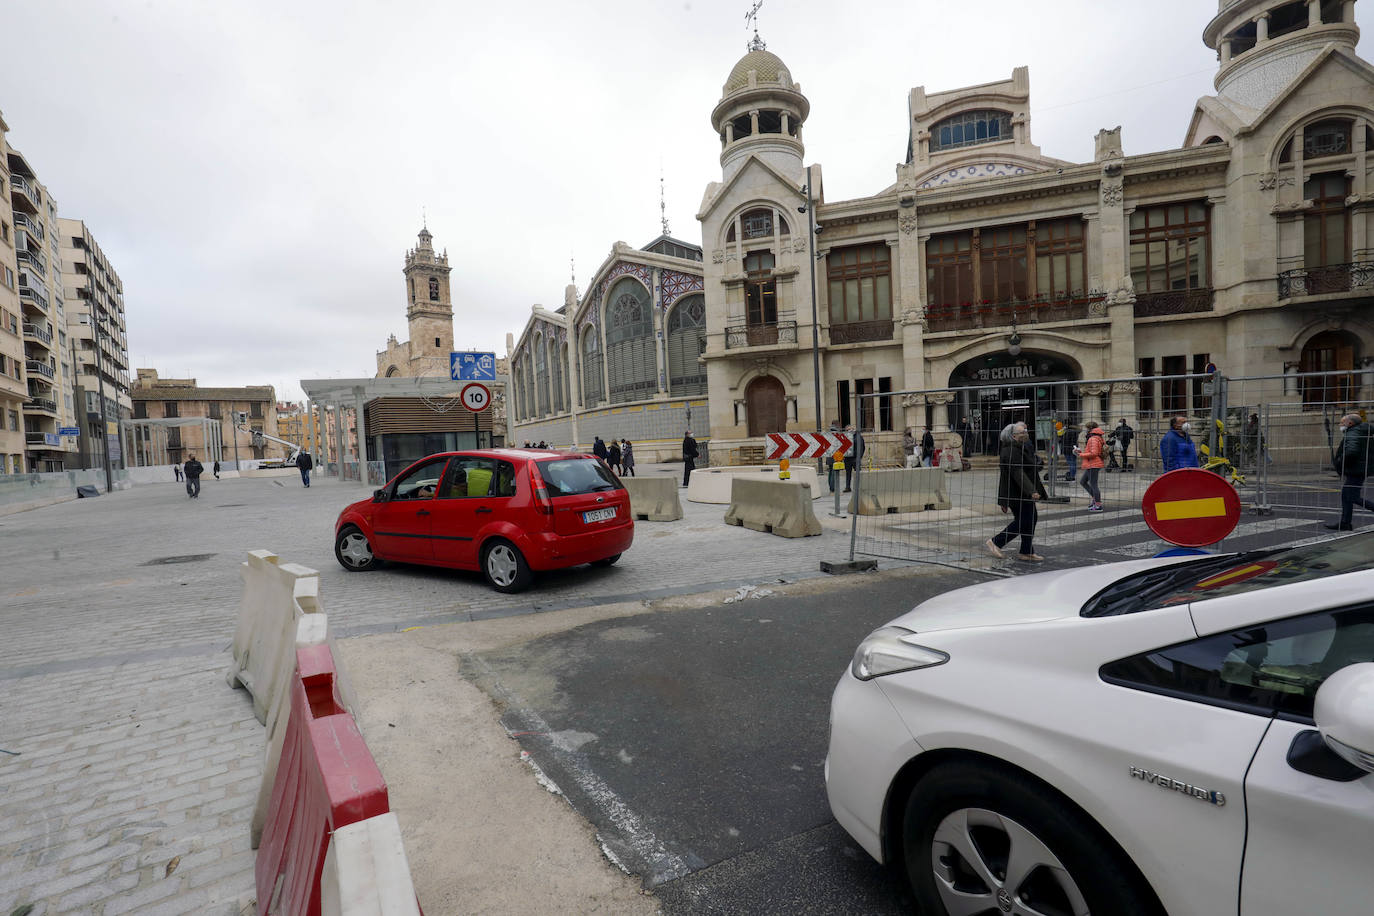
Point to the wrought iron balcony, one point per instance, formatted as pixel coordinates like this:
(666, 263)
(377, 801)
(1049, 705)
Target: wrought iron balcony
(1072, 305)
(1172, 302)
(762, 335)
(37, 332)
(37, 368)
(23, 194)
(1321, 281)
(33, 295)
(34, 227)
(42, 404)
(32, 257)
(861, 331)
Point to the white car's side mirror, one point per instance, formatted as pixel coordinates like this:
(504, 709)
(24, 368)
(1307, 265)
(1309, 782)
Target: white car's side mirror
(1344, 710)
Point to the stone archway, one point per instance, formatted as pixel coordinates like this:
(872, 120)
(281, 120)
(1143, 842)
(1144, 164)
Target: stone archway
(1332, 353)
(765, 406)
(997, 388)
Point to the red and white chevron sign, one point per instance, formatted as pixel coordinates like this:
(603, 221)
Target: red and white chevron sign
(807, 445)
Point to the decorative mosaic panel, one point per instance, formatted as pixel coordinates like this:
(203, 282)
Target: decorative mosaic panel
(676, 285)
(643, 272)
(967, 172)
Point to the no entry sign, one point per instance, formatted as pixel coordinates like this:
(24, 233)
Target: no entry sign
(1191, 507)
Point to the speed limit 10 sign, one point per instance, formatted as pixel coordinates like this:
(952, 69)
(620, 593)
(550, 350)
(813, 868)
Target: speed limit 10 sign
(476, 397)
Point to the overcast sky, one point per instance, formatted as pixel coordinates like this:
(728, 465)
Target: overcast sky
(256, 170)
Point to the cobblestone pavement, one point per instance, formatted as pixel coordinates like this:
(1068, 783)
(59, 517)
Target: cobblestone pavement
(129, 770)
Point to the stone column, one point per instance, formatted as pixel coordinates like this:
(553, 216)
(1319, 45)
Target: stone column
(1225, 49)
(1262, 29)
(1314, 12)
(1125, 400)
(1096, 411)
(908, 288)
(340, 443)
(754, 123)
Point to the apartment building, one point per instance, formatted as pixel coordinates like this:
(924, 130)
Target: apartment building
(97, 338)
(13, 391)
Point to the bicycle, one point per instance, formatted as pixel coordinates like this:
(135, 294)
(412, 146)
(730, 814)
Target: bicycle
(1220, 464)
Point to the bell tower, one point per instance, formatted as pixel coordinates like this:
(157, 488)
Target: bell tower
(429, 310)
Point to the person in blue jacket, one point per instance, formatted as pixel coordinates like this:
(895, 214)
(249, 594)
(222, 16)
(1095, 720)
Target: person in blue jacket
(1176, 449)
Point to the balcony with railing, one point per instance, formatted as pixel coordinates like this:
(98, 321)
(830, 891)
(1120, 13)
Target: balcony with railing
(1173, 302)
(1357, 276)
(38, 332)
(861, 331)
(28, 256)
(1073, 305)
(37, 368)
(42, 405)
(23, 195)
(33, 226)
(34, 295)
(773, 334)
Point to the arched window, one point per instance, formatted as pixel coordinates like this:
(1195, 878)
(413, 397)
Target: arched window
(567, 377)
(631, 369)
(518, 382)
(556, 370)
(686, 338)
(970, 128)
(592, 390)
(757, 223)
(1333, 353)
(1326, 138)
(541, 375)
(530, 404)
(433, 289)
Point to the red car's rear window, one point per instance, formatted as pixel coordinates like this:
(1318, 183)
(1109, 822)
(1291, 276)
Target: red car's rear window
(571, 476)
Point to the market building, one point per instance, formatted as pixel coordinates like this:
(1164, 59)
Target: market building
(988, 264)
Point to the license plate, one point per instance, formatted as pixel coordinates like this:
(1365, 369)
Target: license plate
(598, 515)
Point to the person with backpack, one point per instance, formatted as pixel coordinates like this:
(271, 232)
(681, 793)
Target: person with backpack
(1352, 461)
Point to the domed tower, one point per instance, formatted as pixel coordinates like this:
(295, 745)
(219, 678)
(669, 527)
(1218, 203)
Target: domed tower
(760, 114)
(1262, 45)
(428, 308)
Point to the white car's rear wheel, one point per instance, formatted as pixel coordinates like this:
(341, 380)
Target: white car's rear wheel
(980, 839)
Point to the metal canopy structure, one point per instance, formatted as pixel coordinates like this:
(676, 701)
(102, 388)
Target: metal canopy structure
(351, 395)
(146, 442)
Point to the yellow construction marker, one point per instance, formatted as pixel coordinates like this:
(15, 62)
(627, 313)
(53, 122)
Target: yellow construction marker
(1175, 509)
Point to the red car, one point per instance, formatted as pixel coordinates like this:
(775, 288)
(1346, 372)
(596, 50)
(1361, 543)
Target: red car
(505, 512)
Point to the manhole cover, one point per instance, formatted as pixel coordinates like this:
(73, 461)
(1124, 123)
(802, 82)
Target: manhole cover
(184, 558)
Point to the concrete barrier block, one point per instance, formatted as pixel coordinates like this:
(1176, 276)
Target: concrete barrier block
(775, 506)
(712, 485)
(273, 597)
(366, 872)
(900, 490)
(654, 499)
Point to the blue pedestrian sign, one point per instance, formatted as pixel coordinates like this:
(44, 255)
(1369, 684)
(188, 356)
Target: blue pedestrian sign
(472, 367)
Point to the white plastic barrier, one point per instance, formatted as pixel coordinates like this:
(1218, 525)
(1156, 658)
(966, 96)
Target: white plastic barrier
(273, 598)
(366, 872)
(713, 485)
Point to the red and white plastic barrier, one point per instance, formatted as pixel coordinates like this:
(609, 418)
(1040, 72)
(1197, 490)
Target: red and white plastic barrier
(327, 780)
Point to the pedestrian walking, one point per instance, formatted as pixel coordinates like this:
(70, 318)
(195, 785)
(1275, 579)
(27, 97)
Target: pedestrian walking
(304, 463)
(192, 472)
(1068, 447)
(599, 449)
(1176, 449)
(1352, 461)
(1125, 435)
(965, 431)
(856, 454)
(927, 447)
(613, 456)
(543, 444)
(176, 472)
(1090, 460)
(216, 469)
(627, 457)
(689, 457)
(1018, 490)
(831, 474)
(913, 458)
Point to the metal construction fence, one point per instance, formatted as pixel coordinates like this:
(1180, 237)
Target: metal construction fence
(1271, 437)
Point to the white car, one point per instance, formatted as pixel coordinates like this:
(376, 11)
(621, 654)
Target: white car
(1160, 736)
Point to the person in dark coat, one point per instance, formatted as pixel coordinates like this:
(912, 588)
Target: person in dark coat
(927, 447)
(627, 457)
(216, 470)
(1176, 449)
(855, 455)
(192, 471)
(965, 431)
(1353, 460)
(1018, 490)
(613, 456)
(599, 449)
(689, 457)
(1068, 447)
(1124, 436)
(176, 472)
(304, 463)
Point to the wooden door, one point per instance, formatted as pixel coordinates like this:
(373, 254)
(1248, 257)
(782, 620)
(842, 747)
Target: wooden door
(766, 406)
